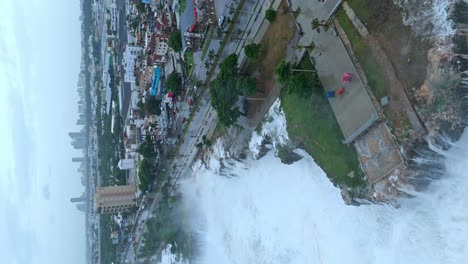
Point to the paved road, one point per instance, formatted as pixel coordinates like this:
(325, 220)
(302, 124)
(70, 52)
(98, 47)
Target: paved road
(205, 119)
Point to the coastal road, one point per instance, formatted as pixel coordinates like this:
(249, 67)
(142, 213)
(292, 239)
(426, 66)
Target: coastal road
(205, 119)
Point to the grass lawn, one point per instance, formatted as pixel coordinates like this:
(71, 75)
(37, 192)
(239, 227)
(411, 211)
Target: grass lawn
(273, 45)
(361, 9)
(183, 6)
(188, 61)
(371, 68)
(311, 122)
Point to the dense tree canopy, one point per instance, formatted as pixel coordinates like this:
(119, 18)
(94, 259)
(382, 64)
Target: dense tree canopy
(174, 82)
(247, 86)
(146, 175)
(147, 149)
(228, 68)
(300, 84)
(270, 15)
(283, 71)
(252, 50)
(175, 41)
(153, 106)
(223, 95)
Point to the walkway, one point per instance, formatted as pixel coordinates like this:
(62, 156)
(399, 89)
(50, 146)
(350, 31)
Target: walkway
(354, 110)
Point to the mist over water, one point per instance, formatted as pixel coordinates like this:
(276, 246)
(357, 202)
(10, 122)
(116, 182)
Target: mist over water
(270, 212)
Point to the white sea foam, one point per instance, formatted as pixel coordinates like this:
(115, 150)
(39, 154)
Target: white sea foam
(277, 213)
(273, 126)
(168, 258)
(429, 18)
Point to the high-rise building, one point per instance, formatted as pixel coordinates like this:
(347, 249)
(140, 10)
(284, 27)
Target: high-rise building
(78, 159)
(116, 199)
(77, 135)
(78, 200)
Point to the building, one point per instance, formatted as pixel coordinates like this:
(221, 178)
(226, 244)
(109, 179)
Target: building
(129, 57)
(78, 159)
(145, 79)
(157, 50)
(116, 199)
(78, 200)
(125, 164)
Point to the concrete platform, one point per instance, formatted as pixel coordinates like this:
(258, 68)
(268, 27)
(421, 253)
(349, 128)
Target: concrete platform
(354, 109)
(378, 153)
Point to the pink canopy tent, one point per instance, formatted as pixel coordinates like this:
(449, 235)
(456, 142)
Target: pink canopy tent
(347, 77)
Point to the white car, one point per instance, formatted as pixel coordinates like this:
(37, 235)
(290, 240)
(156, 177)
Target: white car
(220, 21)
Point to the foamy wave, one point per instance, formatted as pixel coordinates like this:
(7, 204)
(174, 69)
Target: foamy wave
(429, 18)
(168, 258)
(273, 126)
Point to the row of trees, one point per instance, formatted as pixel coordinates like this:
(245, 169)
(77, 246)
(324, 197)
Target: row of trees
(297, 82)
(175, 40)
(226, 88)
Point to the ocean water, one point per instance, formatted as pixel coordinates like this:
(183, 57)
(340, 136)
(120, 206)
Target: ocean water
(263, 211)
(269, 212)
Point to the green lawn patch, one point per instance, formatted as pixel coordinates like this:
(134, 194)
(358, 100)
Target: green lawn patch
(188, 61)
(361, 50)
(361, 9)
(183, 6)
(312, 123)
(206, 45)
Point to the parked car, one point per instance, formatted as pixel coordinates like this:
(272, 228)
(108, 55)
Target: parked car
(220, 21)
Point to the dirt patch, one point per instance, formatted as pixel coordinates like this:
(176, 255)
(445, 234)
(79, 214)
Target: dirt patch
(403, 61)
(274, 45)
(407, 53)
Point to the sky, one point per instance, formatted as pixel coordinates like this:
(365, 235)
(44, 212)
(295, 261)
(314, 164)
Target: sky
(40, 53)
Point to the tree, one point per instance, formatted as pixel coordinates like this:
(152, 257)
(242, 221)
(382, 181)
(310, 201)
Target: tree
(252, 50)
(283, 71)
(174, 82)
(247, 86)
(299, 84)
(175, 41)
(140, 7)
(146, 175)
(270, 15)
(140, 105)
(228, 68)
(153, 106)
(211, 54)
(223, 96)
(147, 148)
(316, 24)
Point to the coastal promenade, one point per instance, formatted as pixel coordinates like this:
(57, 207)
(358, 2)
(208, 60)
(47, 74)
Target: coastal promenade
(354, 110)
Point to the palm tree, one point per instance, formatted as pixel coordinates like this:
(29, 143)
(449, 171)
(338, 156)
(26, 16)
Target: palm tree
(316, 24)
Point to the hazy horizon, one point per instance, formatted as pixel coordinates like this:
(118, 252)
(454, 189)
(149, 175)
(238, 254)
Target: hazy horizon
(40, 54)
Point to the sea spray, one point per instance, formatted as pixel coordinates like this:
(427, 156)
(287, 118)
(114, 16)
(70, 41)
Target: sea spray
(276, 213)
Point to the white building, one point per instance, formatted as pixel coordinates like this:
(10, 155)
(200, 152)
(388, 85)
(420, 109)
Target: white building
(125, 164)
(112, 14)
(129, 57)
